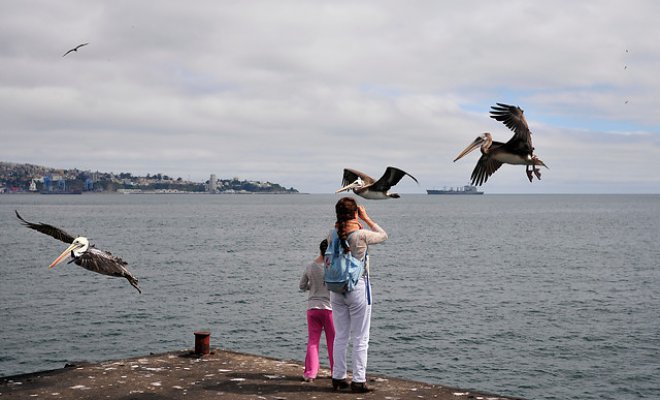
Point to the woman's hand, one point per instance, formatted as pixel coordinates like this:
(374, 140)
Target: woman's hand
(362, 213)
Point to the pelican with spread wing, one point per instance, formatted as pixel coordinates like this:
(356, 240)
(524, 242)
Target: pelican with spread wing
(518, 150)
(365, 186)
(84, 254)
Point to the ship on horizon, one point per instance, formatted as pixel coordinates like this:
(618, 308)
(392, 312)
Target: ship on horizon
(466, 189)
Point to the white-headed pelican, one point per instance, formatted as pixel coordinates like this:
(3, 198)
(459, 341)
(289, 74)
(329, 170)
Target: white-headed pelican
(365, 186)
(84, 254)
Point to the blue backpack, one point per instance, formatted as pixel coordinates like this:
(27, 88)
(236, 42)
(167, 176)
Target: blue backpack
(342, 270)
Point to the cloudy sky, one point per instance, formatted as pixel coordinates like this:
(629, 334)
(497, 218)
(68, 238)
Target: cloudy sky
(293, 91)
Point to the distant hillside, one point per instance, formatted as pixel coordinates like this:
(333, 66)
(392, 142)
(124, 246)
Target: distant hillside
(35, 178)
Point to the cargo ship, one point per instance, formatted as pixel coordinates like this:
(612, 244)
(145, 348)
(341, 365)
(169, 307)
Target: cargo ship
(467, 189)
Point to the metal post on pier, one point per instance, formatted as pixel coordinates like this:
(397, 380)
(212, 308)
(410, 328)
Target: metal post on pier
(202, 342)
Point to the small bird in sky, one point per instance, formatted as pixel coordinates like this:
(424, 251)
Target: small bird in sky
(75, 48)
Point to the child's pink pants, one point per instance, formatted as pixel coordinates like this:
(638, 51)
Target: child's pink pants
(317, 321)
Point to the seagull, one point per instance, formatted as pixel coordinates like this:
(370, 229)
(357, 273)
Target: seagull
(75, 48)
(365, 186)
(84, 254)
(518, 150)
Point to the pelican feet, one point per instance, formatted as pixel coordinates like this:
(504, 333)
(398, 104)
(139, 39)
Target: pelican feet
(535, 163)
(533, 170)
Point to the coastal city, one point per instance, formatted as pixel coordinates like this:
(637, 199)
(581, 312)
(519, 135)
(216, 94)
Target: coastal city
(29, 178)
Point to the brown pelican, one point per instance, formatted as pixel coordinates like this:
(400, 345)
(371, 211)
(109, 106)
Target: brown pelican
(518, 150)
(365, 186)
(75, 48)
(84, 254)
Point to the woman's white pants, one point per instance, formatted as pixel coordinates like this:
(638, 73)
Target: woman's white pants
(351, 313)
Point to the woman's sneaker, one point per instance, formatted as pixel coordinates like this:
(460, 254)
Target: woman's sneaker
(360, 387)
(339, 384)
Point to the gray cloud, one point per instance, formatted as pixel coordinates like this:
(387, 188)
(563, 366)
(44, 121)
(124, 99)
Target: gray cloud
(293, 91)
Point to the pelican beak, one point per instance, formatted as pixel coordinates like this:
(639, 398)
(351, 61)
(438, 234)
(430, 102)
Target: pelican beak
(348, 187)
(477, 142)
(64, 254)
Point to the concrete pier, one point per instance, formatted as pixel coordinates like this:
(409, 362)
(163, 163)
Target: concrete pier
(218, 375)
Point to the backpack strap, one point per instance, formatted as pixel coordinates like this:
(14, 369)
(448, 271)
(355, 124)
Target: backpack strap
(366, 252)
(365, 274)
(364, 259)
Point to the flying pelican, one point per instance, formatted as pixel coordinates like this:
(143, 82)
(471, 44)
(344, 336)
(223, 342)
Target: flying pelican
(518, 150)
(84, 254)
(365, 186)
(75, 48)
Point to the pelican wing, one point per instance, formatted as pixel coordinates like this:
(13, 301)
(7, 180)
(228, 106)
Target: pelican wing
(351, 175)
(105, 263)
(391, 177)
(49, 230)
(514, 119)
(486, 166)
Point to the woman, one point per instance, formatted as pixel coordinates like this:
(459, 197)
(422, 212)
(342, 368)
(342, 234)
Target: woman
(351, 311)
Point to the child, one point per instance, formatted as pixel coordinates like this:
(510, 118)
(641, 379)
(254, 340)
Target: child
(319, 313)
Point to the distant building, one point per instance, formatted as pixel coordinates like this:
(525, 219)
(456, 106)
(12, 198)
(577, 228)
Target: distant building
(213, 184)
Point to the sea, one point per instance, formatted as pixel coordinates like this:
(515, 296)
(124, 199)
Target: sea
(535, 296)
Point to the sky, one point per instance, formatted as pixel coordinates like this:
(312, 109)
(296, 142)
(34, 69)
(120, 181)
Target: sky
(292, 92)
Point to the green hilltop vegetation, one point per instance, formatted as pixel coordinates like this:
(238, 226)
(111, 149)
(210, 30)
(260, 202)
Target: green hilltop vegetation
(25, 178)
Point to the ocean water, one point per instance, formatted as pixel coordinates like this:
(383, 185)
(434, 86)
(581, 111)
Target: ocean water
(537, 296)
